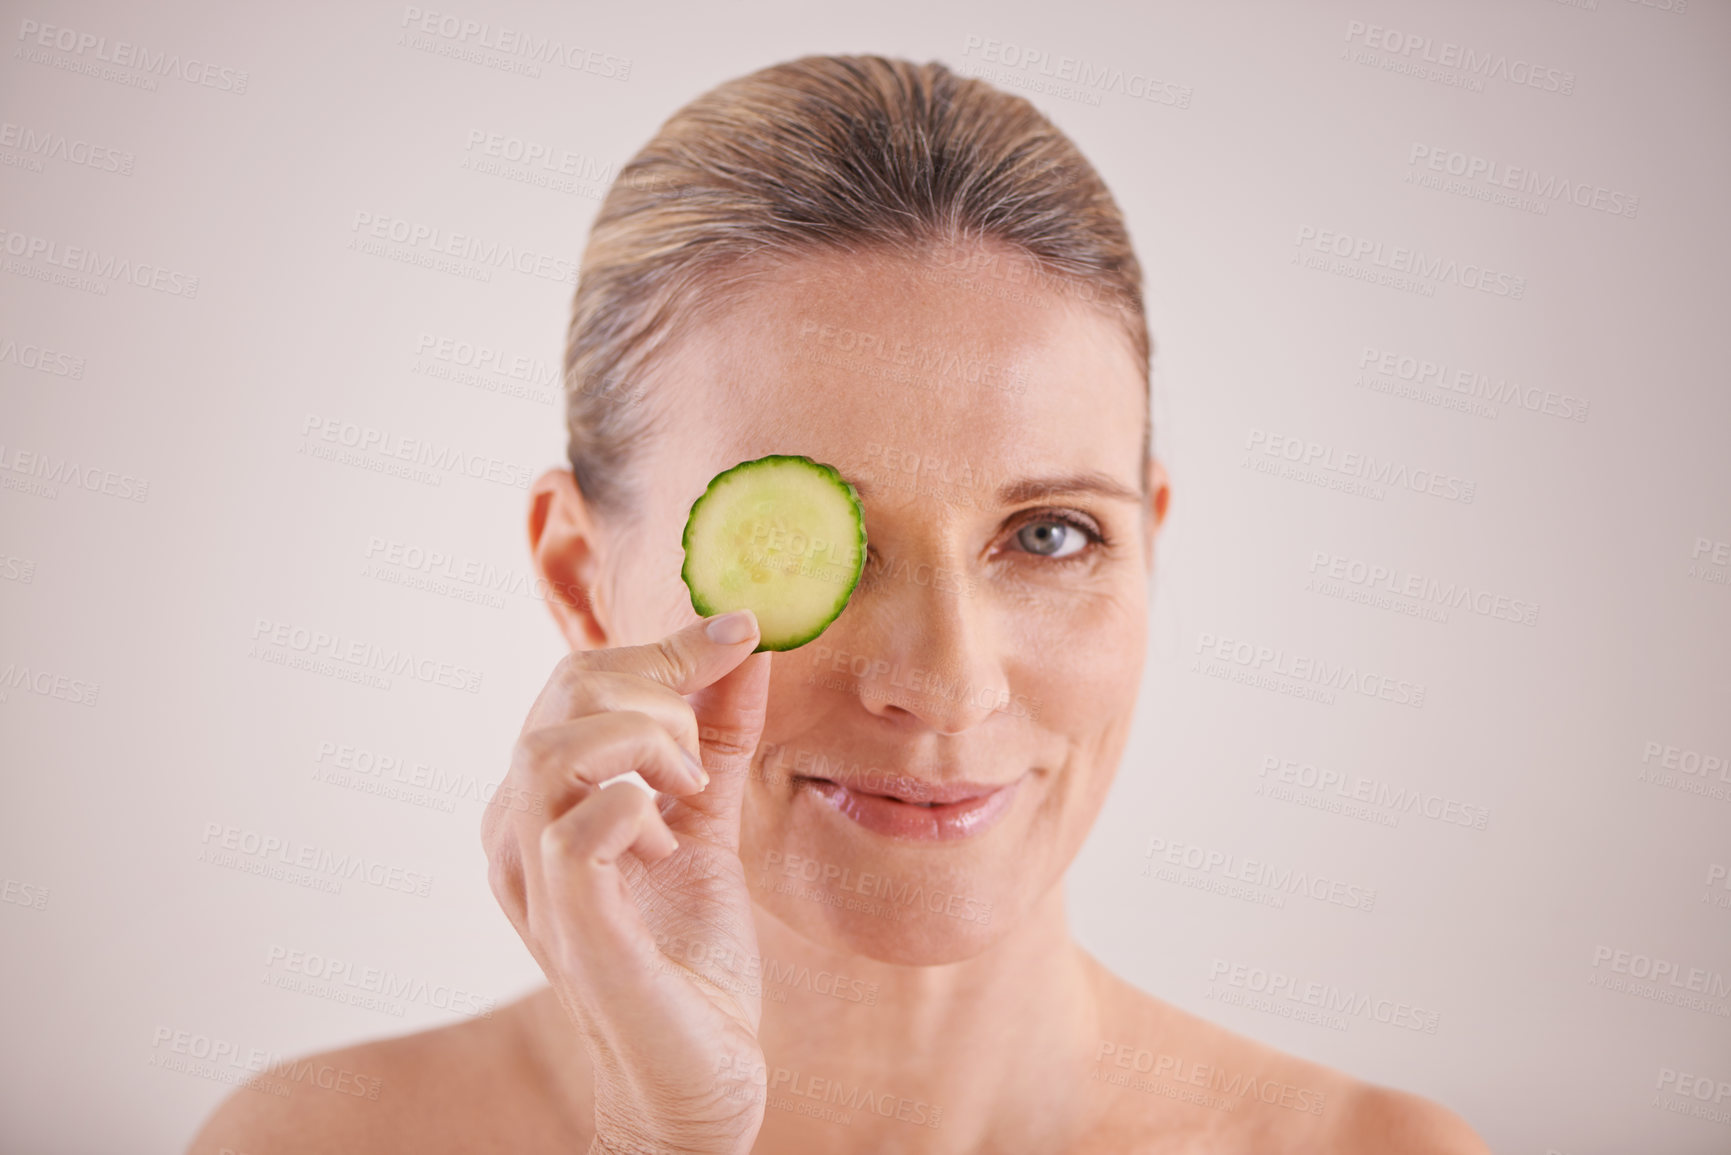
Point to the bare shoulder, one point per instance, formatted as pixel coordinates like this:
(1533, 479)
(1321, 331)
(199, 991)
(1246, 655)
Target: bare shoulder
(475, 1086)
(1374, 1118)
(1173, 1081)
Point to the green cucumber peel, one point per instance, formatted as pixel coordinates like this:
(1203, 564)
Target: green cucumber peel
(783, 536)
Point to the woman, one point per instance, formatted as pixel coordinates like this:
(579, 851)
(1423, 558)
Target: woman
(838, 926)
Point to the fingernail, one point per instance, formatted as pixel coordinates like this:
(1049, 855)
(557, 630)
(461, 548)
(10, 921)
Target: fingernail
(696, 768)
(730, 629)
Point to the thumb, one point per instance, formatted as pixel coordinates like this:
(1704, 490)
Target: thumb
(712, 664)
(688, 659)
(730, 708)
(730, 713)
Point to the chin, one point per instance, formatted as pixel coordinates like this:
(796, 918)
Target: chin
(890, 928)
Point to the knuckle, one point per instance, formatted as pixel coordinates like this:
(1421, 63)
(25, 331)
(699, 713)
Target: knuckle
(491, 833)
(571, 672)
(671, 660)
(530, 751)
(502, 877)
(546, 755)
(645, 732)
(727, 741)
(689, 731)
(560, 841)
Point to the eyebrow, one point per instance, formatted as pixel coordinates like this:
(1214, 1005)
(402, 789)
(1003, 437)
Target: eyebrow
(1090, 481)
(1033, 488)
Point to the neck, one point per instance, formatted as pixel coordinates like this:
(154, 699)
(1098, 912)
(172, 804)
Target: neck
(998, 1042)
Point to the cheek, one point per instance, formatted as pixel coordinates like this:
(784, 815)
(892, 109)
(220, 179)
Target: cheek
(648, 597)
(1081, 668)
(798, 702)
(1082, 690)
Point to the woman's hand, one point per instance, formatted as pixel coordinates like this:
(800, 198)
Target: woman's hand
(636, 907)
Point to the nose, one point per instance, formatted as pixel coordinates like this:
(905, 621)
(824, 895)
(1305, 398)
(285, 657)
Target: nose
(936, 658)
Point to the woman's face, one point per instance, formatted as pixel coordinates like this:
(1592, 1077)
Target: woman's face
(990, 657)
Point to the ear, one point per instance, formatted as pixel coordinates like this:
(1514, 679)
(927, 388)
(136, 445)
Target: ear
(1159, 488)
(564, 542)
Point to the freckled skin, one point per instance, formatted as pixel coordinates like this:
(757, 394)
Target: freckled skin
(1013, 665)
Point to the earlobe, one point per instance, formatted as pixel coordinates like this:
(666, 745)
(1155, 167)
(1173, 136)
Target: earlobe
(1158, 497)
(1159, 490)
(565, 548)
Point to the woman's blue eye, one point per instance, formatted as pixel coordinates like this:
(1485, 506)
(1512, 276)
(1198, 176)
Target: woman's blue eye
(1051, 538)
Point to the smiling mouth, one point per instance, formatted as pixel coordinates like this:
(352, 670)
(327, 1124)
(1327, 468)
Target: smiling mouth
(912, 792)
(920, 811)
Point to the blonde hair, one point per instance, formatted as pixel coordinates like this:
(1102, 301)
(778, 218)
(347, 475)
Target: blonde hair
(822, 153)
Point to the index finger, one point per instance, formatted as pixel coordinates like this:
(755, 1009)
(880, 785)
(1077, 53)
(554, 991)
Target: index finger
(684, 661)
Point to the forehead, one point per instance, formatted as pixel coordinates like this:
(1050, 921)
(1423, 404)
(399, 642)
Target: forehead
(874, 361)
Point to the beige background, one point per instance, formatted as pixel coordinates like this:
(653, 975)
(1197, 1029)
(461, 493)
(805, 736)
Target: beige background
(141, 728)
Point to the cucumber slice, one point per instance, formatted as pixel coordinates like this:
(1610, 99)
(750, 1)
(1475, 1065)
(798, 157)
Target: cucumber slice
(782, 536)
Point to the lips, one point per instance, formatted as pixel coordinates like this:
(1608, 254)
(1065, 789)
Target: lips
(914, 810)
